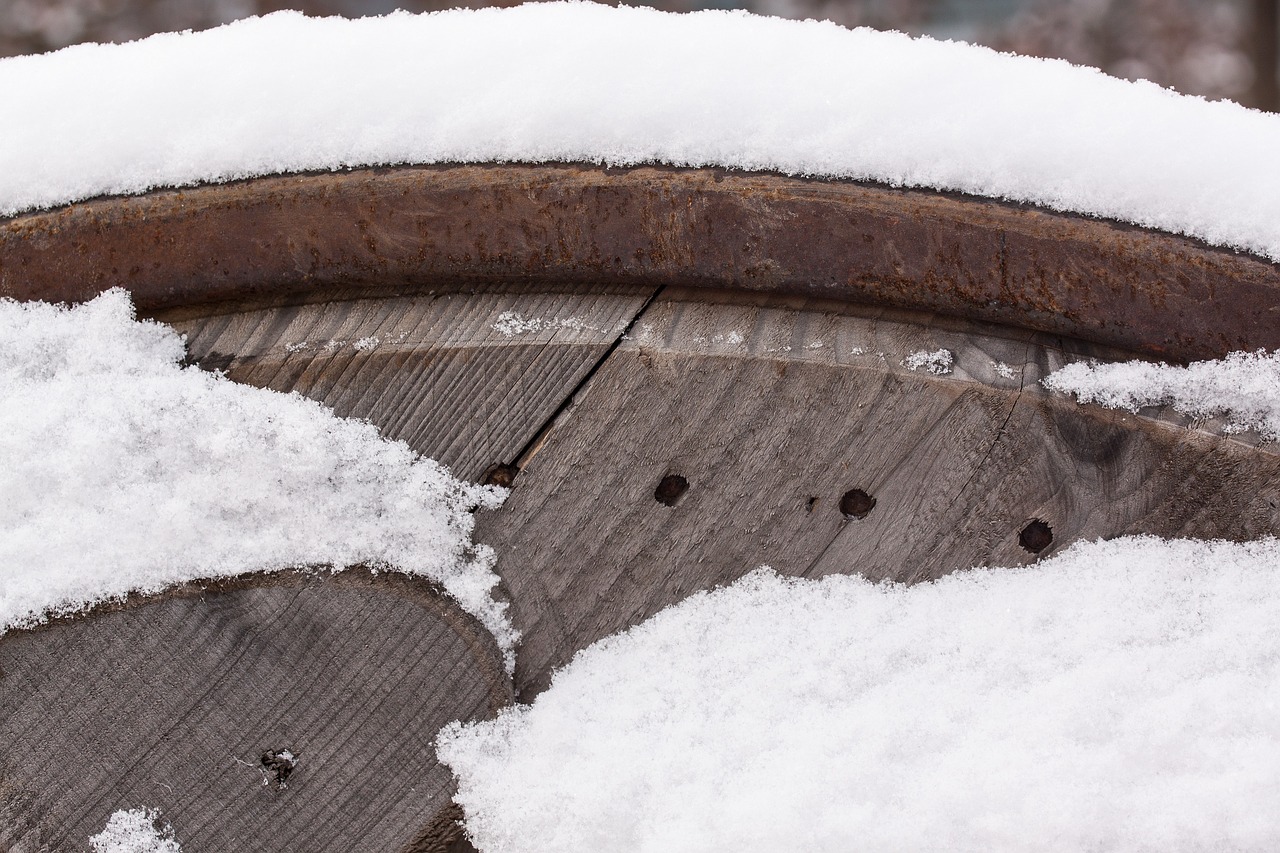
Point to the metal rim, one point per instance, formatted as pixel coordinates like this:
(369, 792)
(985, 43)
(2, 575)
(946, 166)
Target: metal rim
(321, 236)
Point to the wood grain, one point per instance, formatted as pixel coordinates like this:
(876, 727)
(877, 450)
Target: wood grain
(170, 702)
(773, 411)
(465, 378)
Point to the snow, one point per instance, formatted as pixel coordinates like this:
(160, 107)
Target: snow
(135, 831)
(1244, 387)
(938, 362)
(573, 82)
(512, 323)
(1123, 696)
(121, 470)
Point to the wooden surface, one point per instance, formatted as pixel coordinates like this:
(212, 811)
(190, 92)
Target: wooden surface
(396, 231)
(468, 379)
(742, 339)
(171, 702)
(768, 408)
(772, 412)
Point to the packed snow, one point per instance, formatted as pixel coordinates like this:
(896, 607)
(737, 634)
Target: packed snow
(584, 82)
(121, 470)
(135, 831)
(1244, 388)
(1123, 696)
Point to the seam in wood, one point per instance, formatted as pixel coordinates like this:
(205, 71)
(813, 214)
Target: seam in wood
(1000, 431)
(540, 436)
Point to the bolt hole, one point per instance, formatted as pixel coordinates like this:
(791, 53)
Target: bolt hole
(670, 490)
(501, 475)
(1036, 536)
(856, 504)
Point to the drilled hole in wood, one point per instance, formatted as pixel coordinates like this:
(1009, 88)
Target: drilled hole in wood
(500, 475)
(856, 503)
(1036, 536)
(670, 490)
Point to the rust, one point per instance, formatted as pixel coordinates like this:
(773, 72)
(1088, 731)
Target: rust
(377, 231)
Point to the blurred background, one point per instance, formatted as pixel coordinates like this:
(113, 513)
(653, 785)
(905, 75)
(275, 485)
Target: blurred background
(1214, 48)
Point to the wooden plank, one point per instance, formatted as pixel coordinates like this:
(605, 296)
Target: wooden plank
(467, 379)
(171, 703)
(773, 412)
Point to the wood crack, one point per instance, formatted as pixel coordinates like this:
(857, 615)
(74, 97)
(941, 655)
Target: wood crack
(531, 448)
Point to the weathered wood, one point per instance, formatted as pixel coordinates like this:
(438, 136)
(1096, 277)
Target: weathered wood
(314, 237)
(773, 413)
(468, 379)
(171, 702)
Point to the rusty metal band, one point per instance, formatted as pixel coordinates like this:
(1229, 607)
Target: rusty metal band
(309, 237)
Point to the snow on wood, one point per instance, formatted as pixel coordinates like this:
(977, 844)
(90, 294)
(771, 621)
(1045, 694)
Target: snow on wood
(121, 470)
(584, 82)
(1244, 387)
(1122, 696)
(135, 831)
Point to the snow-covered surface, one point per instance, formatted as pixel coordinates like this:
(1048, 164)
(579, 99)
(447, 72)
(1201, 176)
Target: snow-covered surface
(121, 470)
(1124, 696)
(135, 831)
(1243, 387)
(584, 82)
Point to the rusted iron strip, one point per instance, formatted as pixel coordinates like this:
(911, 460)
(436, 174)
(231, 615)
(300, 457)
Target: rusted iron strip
(312, 237)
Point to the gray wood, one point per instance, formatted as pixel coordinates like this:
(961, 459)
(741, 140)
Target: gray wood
(432, 370)
(170, 703)
(772, 412)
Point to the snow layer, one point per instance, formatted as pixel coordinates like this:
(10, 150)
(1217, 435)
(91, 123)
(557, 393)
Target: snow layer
(121, 470)
(135, 831)
(584, 82)
(1124, 696)
(1244, 387)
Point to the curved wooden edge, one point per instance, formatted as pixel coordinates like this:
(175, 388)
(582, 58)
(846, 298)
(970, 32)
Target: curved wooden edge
(424, 593)
(372, 231)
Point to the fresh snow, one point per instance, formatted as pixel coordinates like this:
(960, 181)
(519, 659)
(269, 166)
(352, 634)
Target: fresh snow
(1123, 696)
(1244, 387)
(121, 471)
(135, 831)
(584, 82)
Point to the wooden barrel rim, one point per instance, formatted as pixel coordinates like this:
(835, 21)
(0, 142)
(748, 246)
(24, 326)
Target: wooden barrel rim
(313, 237)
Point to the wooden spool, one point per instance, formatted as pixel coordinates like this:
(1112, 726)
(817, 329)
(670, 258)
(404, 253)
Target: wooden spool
(690, 373)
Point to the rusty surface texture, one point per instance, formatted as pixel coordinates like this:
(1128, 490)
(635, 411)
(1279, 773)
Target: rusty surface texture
(364, 232)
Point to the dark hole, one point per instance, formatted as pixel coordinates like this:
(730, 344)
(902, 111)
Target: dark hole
(810, 504)
(279, 763)
(856, 503)
(1036, 536)
(671, 490)
(500, 475)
